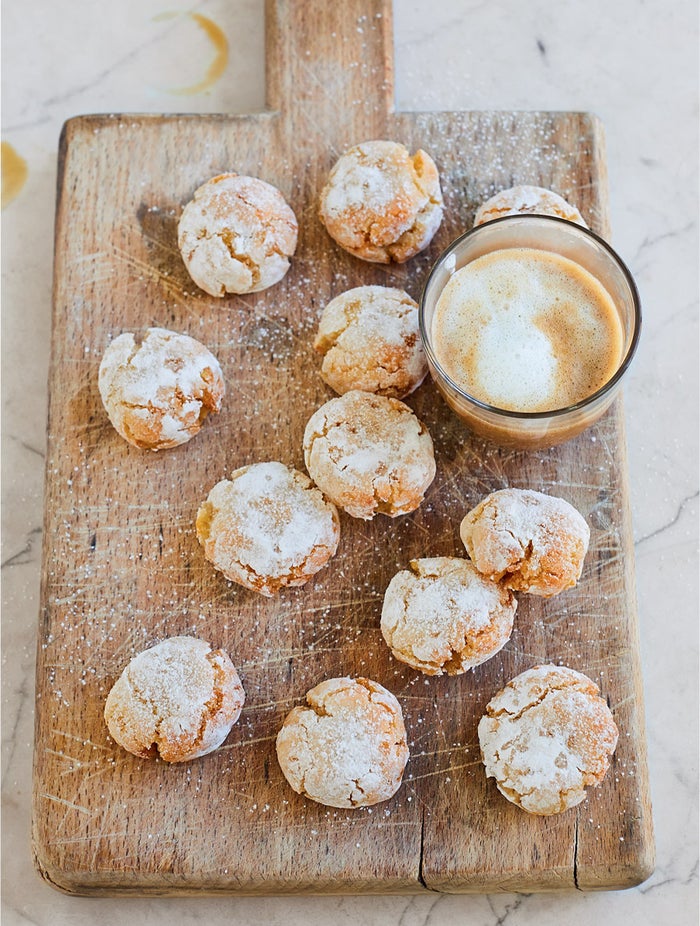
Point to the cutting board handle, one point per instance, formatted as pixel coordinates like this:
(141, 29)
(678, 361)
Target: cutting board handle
(344, 50)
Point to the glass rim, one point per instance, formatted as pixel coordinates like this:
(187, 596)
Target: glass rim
(555, 412)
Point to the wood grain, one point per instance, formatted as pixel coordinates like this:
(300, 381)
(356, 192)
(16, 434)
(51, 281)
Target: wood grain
(122, 568)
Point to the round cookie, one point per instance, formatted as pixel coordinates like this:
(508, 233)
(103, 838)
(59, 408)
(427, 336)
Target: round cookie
(178, 699)
(237, 235)
(546, 737)
(267, 527)
(158, 389)
(381, 203)
(369, 454)
(529, 541)
(441, 615)
(525, 199)
(370, 340)
(347, 746)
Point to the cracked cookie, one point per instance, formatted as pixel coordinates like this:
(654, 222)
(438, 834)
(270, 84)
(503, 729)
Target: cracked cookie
(381, 203)
(525, 199)
(347, 746)
(441, 615)
(370, 340)
(546, 737)
(237, 235)
(369, 454)
(529, 541)
(158, 388)
(177, 700)
(267, 527)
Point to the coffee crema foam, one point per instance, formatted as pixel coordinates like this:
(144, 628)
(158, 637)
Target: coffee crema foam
(527, 330)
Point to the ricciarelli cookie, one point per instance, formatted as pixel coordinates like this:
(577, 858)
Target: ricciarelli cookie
(525, 199)
(441, 615)
(158, 389)
(237, 235)
(381, 203)
(177, 700)
(546, 737)
(347, 746)
(369, 454)
(370, 340)
(267, 527)
(529, 541)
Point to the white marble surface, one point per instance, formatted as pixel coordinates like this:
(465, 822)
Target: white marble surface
(634, 63)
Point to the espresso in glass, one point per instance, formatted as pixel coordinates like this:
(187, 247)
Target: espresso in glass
(529, 323)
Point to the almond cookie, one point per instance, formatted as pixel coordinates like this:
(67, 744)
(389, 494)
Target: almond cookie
(237, 235)
(441, 615)
(177, 700)
(381, 203)
(369, 454)
(158, 389)
(546, 737)
(534, 200)
(370, 340)
(267, 527)
(347, 746)
(530, 541)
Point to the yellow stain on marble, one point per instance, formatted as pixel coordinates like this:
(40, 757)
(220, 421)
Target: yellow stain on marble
(219, 43)
(14, 173)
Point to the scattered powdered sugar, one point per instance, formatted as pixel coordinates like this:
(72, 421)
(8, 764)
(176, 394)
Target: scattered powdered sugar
(145, 575)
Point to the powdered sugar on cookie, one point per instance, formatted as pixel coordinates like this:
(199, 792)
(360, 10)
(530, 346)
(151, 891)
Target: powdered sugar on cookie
(157, 390)
(546, 737)
(441, 615)
(347, 746)
(237, 235)
(369, 454)
(178, 700)
(529, 200)
(267, 527)
(380, 203)
(370, 340)
(530, 541)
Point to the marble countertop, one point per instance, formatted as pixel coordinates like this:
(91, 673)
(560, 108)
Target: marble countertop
(634, 64)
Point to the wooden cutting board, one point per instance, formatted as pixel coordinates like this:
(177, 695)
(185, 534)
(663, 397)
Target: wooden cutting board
(122, 568)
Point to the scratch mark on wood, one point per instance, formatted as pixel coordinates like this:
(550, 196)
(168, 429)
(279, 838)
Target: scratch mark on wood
(444, 771)
(66, 803)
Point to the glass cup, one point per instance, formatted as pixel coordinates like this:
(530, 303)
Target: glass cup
(527, 429)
